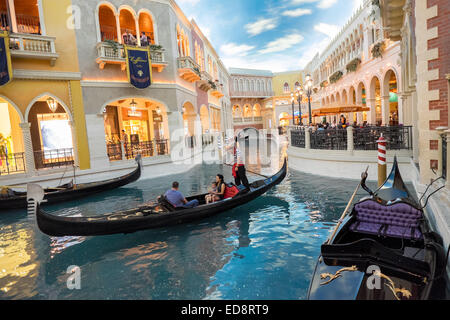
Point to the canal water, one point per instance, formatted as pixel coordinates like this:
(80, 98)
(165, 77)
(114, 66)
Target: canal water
(266, 249)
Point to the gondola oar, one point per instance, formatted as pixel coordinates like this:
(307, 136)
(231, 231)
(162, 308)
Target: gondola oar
(348, 206)
(258, 174)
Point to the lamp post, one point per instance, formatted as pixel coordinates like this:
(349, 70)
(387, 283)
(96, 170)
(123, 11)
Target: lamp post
(293, 111)
(308, 87)
(299, 93)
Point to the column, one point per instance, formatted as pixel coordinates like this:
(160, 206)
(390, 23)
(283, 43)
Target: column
(138, 33)
(28, 148)
(350, 142)
(119, 34)
(307, 139)
(74, 142)
(372, 115)
(385, 110)
(360, 118)
(401, 112)
(12, 15)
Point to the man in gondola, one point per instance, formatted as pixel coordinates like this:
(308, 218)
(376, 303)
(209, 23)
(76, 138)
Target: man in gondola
(177, 199)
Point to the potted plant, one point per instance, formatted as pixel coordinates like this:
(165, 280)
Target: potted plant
(377, 50)
(335, 77)
(353, 65)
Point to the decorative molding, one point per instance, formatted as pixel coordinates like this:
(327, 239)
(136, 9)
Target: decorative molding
(45, 75)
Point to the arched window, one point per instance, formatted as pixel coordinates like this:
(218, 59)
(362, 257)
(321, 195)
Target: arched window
(215, 71)
(107, 21)
(286, 88)
(127, 27)
(146, 29)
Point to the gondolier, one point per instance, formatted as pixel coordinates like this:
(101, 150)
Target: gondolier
(239, 172)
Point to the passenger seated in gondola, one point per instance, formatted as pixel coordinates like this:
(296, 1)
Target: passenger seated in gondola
(219, 195)
(177, 199)
(212, 193)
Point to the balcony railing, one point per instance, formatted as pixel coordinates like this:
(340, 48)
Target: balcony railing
(108, 53)
(12, 163)
(207, 139)
(146, 149)
(190, 142)
(57, 158)
(188, 69)
(205, 81)
(246, 94)
(248, 120)
(33, 46)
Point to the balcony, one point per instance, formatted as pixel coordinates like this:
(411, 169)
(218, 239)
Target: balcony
(188, 69)
(110, 53)
(247, 120)
(217, 90)
(31, 46)
(205, 81)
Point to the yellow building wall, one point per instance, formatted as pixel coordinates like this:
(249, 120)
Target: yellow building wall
(290, 77)
(55, 20)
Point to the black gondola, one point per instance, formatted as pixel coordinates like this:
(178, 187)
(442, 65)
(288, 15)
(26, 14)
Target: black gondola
(72, 191)
(384, 250)
(145, 217)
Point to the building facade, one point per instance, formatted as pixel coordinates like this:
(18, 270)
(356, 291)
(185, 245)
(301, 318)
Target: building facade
(42, 111)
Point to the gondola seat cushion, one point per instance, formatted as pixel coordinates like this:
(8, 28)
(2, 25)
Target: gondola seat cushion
(398, 221)
(231, 192)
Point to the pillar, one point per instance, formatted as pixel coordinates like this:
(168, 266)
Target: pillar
(138, 33)
(372, 115)
(28, 148)
(119, 34)
(74, 142)
(12, 15)
(350, 140)
(307, 139)
(385, 110)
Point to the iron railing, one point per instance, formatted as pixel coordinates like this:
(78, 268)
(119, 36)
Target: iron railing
(146, 149)
(330, 139)
(298, 138)
(12, 163)
(190, 142)
(397, 137)
(207, 139)
(57, 158)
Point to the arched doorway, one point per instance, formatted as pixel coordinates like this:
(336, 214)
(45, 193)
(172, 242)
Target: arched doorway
(237, 111)
(375, 92)
(248, 111)
(51, 133)
(139, 125)
(215, 119)
(12, 156)
(205, 119)
(256, 110)
(391, 87)
(361, 97)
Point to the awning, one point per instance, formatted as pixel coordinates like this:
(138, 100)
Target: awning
(336, 111)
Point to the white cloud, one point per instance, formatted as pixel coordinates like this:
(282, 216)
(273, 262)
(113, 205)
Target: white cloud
(282, 44)
(261, 26)
(297, 12)
(232, 49)
(328, 29)
(322, 4)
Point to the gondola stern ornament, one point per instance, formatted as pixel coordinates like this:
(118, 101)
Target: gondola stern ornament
(138, 160)
(35, 196)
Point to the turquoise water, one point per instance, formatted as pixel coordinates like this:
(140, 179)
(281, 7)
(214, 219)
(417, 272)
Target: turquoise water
(266, 249)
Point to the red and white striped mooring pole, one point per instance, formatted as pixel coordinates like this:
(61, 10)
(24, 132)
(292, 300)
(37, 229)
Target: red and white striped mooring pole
(382, 166)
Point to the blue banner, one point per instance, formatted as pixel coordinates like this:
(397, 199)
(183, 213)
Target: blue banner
(139, 66)
(5, 60)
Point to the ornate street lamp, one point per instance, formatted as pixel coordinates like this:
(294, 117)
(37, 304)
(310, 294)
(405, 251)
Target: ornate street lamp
(52, 104)
(308, 88)
(299, 94)
(293, 111)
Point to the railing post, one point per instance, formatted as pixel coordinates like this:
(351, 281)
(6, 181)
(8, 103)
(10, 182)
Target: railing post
(307, 139)
(350, 141)
(122, 149)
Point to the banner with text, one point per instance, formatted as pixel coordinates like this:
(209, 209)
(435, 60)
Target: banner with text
(139, 66)
(5, 59)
